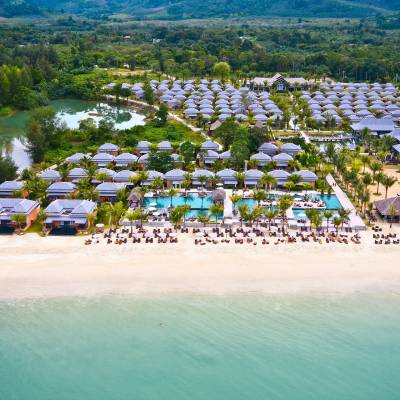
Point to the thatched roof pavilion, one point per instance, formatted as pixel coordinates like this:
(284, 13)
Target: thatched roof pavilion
(383, 206)
(218, 196)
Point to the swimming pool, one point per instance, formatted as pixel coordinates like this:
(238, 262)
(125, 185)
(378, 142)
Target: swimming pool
(199, 204)
(299, 213)
(331, 201)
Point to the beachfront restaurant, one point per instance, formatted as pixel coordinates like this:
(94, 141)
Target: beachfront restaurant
(68, 216)
(8, 188)
(60, 190)
(385, 206)
(10, 207)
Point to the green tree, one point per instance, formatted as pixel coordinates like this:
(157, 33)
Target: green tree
(222, 70)
(8, 169)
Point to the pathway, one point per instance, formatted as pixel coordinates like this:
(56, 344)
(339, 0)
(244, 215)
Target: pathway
(355, 220)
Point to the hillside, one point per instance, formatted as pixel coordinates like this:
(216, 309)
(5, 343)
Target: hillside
(184, 9)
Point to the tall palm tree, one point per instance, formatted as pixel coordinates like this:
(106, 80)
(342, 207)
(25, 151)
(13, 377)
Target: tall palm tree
(268, 181)
(131, 217)
(270, 214)
(203, 219)
(171, 193)
(337, 221)
(388, 182)
(216, 209)
(157, 184)
(379, 178)
(240, 176)
(184, 209)
(328, 214)
(235, 198)
(392, 214)
(285, 202)
(259, 196)
(243, 212)
(344, 214)
(102, 177)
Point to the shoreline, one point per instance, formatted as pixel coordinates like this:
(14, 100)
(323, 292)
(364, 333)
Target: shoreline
(32, 267)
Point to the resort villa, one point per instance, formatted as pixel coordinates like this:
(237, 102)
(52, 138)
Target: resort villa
(69, 214)
(8, 188)
(11, 207)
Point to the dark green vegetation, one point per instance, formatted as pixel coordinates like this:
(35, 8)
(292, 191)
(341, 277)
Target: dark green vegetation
(8, 169)
(194, 9)
(57, 57)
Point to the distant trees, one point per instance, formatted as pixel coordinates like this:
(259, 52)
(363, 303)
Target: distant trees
(8, 169)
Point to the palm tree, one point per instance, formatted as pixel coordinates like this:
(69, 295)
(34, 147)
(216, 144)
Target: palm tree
(388, 182)
(235, 198)
(364, 158)
(392, 214)
(375, 167)
(379, 178)
(171, 193)
(240, 176)
(253, 163)
(142, 190)
(203, 219)
(157, 184)
(131, 217)
(290, 186)
(256, 214)
(115, 212)
(176, 216)
(328, 214)
(19, 220)
(337, 221)
(102, 177)
(344, 215)
(243, 212)
(268, 181)
(285, 202)
(270, 214)
(184, 210)
(216, 209)
(259, 196)
(203, 180)
(36, 188)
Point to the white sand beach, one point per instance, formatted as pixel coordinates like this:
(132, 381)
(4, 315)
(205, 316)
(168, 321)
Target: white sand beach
(36, 267)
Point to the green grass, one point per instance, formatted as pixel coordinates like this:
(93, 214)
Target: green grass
(6, 111)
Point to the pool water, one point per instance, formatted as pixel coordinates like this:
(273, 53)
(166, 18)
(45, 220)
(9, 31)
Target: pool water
(299, 213)
(199, 204)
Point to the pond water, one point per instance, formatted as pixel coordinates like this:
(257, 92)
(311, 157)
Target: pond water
(71, 112)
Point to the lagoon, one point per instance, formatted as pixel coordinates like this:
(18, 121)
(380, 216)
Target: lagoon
(70, 112)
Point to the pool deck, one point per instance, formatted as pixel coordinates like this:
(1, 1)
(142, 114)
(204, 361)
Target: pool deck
(356, 221)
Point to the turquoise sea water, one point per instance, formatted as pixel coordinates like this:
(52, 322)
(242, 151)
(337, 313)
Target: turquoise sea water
(235, 347)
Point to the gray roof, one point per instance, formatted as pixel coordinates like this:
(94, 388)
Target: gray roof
(202, 172)
(268, 148)
(385, 124)
(383, 206)
(9, 207)
(260, 156)
(109, 188)
(175, 175)
(103, 158)
(10, 186)
(60, 188)
(123, 176)
(108, 147)
(210, 145)
(77, 173)
(253, 174)
(226, 173)
(69, 209)
(306, 176)
(50, 175)
(77, 157)
(125, 159)
(279, 174)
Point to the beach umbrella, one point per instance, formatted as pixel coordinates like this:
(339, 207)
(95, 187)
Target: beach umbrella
(167, 225)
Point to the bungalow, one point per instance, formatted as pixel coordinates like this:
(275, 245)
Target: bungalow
(268, 148)
(77, 158)
(69, 214)
(76, 174)
(290, 148)
(282, 160)
(109, 148)
(226, 155)
(198, 174)
(108, 191)
(209, 157)
(109, 172)
(125, 159)
(103, 159)
(262, 158)
(227, 177)
(60, 190)
(165, 146)
(10, 207)
(280, 175)
(210, 145)
(143, 159)
(8, 188)
(50, 175)
(123, 176)
(252, 177)
(143, 147)
(306, 176)
(174, 177)
(378, 126)
(151, 176)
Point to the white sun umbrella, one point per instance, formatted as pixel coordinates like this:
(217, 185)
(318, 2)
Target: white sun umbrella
(212, 235)
(99, 225)
(200, 234)
(167, 225)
